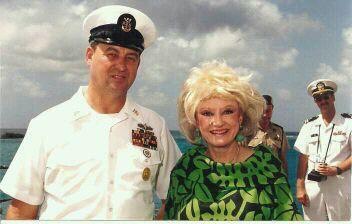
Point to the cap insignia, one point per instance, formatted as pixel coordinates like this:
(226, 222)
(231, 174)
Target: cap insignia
(126, 24)
(320, 86)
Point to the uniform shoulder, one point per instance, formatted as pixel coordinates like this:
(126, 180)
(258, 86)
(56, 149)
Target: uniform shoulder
(55, 113)
(148, 114)
(310, 119)
(346, 115)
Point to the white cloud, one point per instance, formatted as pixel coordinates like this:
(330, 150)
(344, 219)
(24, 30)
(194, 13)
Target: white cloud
(222, 40)
(28, 87)
(284, 95)
(343, 74)
(40, 36)
(151, 98)
(287, 59)
(347, 36)
(72, 77)
(8, 31)
(263, 17)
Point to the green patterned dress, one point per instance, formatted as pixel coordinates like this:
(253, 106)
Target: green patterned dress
(256, 189)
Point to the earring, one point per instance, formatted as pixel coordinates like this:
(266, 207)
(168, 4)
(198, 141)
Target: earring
(239, 137)
(198, 137)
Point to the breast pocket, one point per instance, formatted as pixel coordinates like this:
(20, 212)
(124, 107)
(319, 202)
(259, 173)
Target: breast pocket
(138, 167)
(337, 143)
(312, 145)
(149, 161)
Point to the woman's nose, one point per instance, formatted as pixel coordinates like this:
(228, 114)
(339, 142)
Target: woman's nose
(217, 120)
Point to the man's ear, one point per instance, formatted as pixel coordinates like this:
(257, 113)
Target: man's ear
(89, 55)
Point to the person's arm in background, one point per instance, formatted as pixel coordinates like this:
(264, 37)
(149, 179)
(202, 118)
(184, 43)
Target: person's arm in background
(332, 170)
(283, 154)
(21, 210)
(301, 192)
(161, 212)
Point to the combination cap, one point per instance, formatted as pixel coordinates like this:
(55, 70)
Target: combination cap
(321, 86)
(120, 25)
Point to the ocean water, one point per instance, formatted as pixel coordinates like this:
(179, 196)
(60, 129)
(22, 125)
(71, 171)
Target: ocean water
(8, 148)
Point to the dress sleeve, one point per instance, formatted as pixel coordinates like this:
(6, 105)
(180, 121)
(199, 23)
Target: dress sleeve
(24, 177)
(286, 208)
(170, 206)
(171, 154)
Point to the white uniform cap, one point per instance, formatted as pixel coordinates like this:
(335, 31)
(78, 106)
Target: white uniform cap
(321, 86)
(120, 25)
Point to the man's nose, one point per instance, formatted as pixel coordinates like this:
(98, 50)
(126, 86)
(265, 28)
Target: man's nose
(120, 64)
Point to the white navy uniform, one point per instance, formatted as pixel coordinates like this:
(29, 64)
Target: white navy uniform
(78, 164)
(330, 198)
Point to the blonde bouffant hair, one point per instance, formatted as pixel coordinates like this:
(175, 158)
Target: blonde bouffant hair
(217, 80)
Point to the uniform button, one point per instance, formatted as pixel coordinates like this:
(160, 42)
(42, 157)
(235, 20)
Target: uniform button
(111, 182)
(111, 155)
(110, 209)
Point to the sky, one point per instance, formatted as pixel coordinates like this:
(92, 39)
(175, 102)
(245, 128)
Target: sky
(282, 44)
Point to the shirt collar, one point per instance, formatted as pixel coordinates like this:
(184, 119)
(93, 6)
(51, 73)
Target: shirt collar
(132, 109)
(80, 104)
(82, 108)
(336, 120)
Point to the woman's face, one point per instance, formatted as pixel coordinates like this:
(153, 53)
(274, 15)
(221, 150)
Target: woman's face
(218, 121)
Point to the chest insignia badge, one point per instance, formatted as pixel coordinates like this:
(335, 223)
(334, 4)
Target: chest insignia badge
(135, 112)
(147, 153)
(146, 174)
(144, 137)
(339, 133)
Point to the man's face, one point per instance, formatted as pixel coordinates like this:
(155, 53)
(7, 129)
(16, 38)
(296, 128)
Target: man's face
(325, 101)
(113, 69)
(268, 113)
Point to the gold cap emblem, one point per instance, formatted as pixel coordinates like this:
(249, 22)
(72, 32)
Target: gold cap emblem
(126, 24)
(320, 86)
(146, 174)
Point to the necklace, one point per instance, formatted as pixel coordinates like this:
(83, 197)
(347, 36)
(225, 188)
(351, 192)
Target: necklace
(234, 159)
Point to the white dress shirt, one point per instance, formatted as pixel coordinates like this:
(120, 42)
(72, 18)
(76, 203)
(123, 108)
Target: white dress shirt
(78, 164)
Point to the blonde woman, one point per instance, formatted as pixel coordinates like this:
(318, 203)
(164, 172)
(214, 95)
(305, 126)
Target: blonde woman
(219, 178)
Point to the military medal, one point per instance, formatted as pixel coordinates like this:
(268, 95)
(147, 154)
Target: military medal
(144, 137)
(146, 174)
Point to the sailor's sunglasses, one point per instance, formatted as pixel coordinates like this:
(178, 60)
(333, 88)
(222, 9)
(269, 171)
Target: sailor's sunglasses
(321, 97)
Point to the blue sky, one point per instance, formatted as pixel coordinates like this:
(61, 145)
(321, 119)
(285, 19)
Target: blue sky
(284, 45)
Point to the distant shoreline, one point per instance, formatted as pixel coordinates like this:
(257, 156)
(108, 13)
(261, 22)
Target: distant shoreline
(7, 133)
